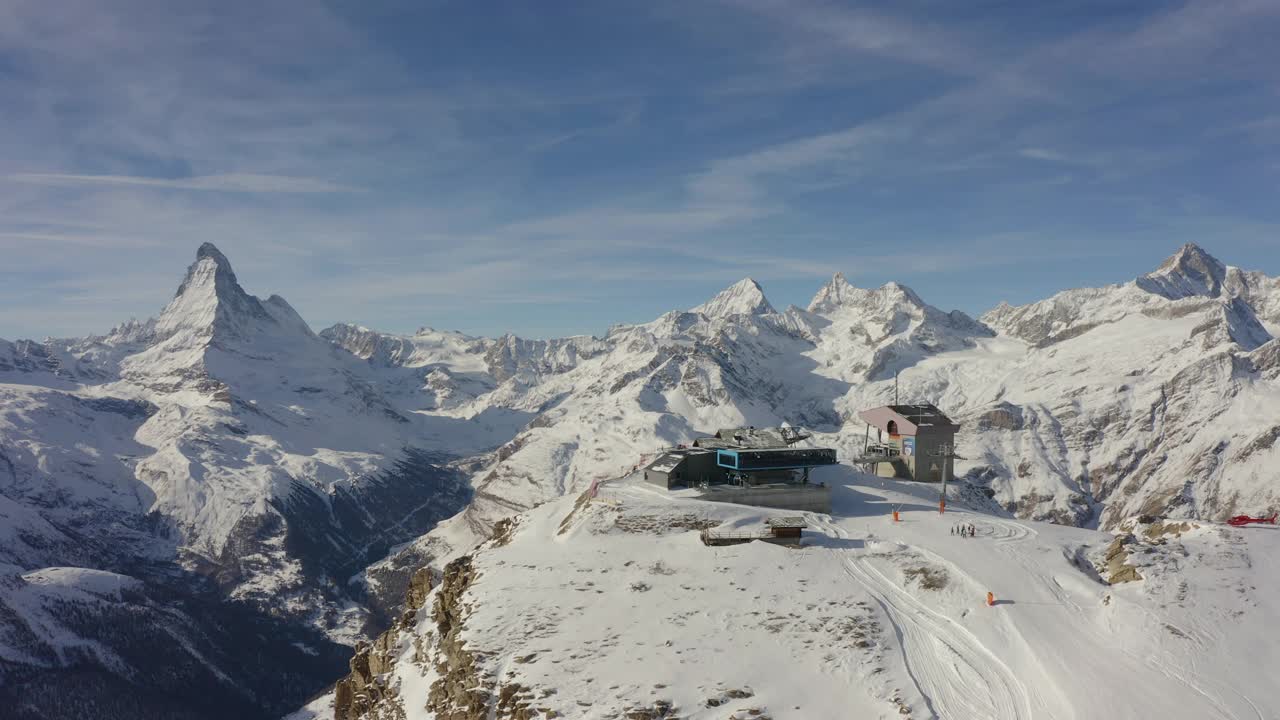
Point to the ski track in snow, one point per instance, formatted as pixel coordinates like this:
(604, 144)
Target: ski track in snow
(947, 663)
(1211, 690)
(1005, 533)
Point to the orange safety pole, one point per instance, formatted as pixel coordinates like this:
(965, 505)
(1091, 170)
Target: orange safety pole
(991, 599)
(942, 505)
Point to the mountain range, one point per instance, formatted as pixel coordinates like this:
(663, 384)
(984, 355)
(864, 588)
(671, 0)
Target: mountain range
(223, 466)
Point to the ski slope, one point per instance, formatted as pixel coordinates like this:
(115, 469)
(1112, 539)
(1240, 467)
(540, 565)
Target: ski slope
(616, 606)
(954, 672)
(1058, 643)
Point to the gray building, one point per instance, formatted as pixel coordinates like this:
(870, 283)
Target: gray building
(748, 466)
(739, 456)
(688, 467)
(924, 437)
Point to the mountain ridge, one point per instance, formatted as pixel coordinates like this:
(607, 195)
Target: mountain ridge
(310, 474)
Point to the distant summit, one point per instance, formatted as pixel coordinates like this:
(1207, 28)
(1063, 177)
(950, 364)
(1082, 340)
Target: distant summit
(835, 293)
(211, 302)
(744, 297)
(1189, 272)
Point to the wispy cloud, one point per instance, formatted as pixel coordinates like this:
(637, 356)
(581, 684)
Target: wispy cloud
(372, 174)
(1035, 153)
(231, 182)
(861, 30)
(85, 240)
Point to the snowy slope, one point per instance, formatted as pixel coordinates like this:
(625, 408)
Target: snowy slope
(613, 608)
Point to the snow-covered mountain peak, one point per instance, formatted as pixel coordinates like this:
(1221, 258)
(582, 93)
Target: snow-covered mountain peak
(744, 297)
(1187, 273)
(902, 293)
(211, 251)
(835, 293)
(211, 270)
(838, 295)
(1189, 281)
(211, 302)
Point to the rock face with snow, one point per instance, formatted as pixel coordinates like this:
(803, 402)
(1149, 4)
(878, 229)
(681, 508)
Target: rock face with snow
(745, 297)
(221, 449)
(874, 333)
(88, 643)
(273, 460)
(1139, 398)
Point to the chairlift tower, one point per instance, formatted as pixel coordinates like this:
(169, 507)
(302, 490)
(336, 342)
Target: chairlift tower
(948, 454)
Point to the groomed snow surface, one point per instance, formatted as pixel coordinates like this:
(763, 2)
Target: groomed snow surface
(621, 607)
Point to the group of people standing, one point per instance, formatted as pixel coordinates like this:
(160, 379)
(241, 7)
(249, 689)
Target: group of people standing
(964, 530)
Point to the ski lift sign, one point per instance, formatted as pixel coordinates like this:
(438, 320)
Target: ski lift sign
(908, 446)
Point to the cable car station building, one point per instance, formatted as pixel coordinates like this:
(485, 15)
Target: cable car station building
(748, 466)
(922, 436)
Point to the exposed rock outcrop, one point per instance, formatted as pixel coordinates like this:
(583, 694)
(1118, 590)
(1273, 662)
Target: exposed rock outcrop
(1118, 569)
(460, 693)
(1004, 416)
(364, 692)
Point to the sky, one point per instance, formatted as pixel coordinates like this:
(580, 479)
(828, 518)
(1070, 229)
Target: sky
(553, 168)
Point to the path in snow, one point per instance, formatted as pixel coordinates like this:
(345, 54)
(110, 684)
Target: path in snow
(1223, 701)
(952, 669)
(1006, 532)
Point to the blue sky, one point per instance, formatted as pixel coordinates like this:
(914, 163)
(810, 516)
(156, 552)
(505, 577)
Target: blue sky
(554, 167)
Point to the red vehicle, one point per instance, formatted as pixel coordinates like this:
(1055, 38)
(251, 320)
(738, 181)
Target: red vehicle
(1242, 520)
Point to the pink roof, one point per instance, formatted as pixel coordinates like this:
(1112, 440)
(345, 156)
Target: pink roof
(924, 415)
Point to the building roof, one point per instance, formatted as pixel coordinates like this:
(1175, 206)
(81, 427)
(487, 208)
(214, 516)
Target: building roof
(922, 414)
(751, 437)
(778, 450)
(666, 462)
(669, 460)
(787, 522)
(908, 418)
